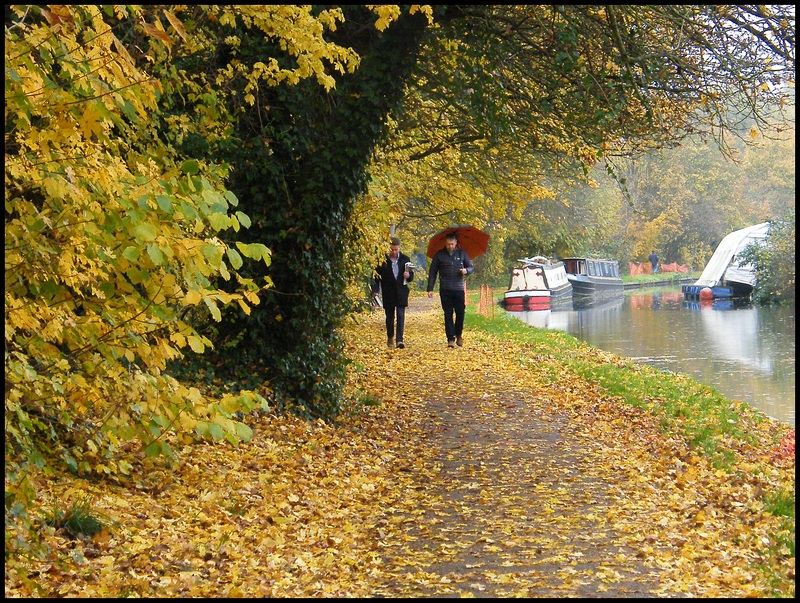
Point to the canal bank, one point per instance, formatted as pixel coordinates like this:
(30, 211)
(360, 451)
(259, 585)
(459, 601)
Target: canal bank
(745, 351)
(738, 439)
(642, 284)
(663, 392)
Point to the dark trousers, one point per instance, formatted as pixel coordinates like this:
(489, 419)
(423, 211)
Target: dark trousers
(453, 301)
(400, 311)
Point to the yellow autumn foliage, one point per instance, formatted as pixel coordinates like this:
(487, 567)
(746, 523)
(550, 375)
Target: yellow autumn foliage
(108, 235)
(112, 235)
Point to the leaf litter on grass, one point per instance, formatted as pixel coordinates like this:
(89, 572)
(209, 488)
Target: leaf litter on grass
(473, 477)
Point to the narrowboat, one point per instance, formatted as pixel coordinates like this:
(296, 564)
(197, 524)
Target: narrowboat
(593, 276)
(537, 284)
(724, 277)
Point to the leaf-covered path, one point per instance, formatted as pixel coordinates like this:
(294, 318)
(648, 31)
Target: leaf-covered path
(516, 508)
(514, 501)
(487, 470)
(542, 486)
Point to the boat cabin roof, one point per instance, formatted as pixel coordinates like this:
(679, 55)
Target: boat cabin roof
(539, 260)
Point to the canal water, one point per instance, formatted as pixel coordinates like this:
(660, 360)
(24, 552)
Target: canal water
(746, 353)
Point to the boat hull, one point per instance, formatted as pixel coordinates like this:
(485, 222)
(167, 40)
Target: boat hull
(511, 307)
(723, 291)
(529, 300)
(595, 285)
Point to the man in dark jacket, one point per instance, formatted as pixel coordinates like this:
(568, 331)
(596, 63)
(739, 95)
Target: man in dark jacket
(653, 261)
(452, 264)
(392, 278)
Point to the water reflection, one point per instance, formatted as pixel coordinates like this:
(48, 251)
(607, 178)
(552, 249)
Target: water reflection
(747, 353)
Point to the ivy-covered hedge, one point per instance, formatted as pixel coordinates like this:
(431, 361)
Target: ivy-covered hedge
(299, 158)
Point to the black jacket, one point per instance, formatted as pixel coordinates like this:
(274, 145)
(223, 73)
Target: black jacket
(395, 293)
(448, 267)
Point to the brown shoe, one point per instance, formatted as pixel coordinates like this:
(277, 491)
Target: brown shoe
(401, 345)
(451, 344)
(459, 341)
(390, 342)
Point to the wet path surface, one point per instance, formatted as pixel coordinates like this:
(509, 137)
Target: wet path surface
(513, 501)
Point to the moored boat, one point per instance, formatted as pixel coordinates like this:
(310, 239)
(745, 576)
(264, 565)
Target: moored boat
(537, 284)
(593, 276)
(724, 276)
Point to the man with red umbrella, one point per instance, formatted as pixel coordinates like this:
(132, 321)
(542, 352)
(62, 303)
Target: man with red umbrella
(452, 264)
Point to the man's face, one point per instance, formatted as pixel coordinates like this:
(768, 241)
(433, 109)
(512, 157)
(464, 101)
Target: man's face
(394, 251)
(450, 245)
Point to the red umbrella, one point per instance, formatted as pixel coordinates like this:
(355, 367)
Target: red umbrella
(470, 239)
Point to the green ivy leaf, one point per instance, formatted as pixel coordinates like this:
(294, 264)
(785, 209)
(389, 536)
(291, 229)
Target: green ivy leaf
(190, 167)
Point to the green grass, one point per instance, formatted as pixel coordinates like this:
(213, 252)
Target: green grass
(781, 504)
(658, 278)
(78, 520)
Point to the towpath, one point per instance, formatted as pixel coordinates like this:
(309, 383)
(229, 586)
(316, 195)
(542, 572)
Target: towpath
(515, 494)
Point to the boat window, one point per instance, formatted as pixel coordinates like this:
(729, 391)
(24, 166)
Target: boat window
(606, 269)
(590, 268)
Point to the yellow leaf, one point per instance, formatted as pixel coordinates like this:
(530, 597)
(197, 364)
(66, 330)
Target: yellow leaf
(282, 521)
(245, 308)
(192, 297)
(196, 344)
(157, 33)
(176, 25)
(187, 422)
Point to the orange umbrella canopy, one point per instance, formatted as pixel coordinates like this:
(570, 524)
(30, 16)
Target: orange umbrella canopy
(470, 239)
